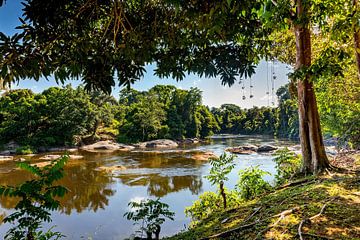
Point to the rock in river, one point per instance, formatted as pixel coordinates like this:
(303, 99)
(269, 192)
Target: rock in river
(266, 148)
(6, 158)
(111, 169)
(53, 157)
(244, 149)
(107, 146)
(202, 156)
(159, 143)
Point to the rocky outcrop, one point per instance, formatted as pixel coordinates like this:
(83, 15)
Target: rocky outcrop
(6, 158)
(108, 146)
(250, 149)
(244, 149)
(239, 150)
(202, 156)
(189, 141)
(266, 148)
(159, 143)
(54, 157)
(111, 169)
(41, 164)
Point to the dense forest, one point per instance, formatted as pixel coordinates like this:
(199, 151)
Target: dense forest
(67, 116)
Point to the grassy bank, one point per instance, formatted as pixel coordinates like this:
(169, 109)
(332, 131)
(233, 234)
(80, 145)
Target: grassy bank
(325, 207)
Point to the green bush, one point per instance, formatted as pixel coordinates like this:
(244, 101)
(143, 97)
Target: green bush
(220, 168)
(208, 203)
(151, 214)
(287, 164)
(36, 201)
(251, 183)
(24, 150)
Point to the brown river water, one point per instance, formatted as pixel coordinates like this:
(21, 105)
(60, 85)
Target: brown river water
(97, 201)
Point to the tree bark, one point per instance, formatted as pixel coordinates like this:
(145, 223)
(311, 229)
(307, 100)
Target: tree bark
(356, 39)
(223, 195)
(312, 146)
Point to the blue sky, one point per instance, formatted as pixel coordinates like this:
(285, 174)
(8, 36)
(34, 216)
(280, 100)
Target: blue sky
(214, 94)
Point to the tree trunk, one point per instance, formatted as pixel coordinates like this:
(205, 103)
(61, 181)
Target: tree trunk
(157, 232)
(356, 39)
(222, 193)
(148, 235)
(312, 147)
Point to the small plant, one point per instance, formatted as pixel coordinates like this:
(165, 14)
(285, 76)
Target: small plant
(208, 203)
(151, 213)
(287, 164)
(251, 183)
(37, 200)
(220, 168)
(24, 150)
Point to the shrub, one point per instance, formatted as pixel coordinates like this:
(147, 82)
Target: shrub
(251, 184)
(36, 201)
(151, 213)
(208, 203)
(24, 150)
(287, 164)
(220, 168)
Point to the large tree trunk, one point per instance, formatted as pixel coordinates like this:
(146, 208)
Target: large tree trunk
(357, 40)
(312, 147)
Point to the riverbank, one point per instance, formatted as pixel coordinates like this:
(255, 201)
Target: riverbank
(325, 207)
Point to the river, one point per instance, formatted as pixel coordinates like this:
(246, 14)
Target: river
(97, 201)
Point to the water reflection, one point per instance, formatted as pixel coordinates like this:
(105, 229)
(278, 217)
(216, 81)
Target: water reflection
(88, 189)
(98, 200)
(160, 186)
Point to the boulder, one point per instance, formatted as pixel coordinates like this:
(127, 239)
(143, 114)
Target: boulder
(5, 152)
(111, 168)
(160, 143)
(266, 148)
(250, 147)
(239, 150)
(244, 149)
(62, 149)
(6, 158)
(41, 164)
(190, 141)
(202, 156)
(53, 157)
(107, 146)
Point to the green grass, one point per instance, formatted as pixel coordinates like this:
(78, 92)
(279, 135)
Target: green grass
(340, 219)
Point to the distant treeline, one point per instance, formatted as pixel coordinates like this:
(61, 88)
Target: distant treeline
(67, 116)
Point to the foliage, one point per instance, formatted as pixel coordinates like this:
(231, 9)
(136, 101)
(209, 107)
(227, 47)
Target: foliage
(94, 41)
(339, 106)
(164, 112)
(57, 116)
(281, 121)
(209, 203)
(287, 124)
(24, 150)
(220, 168)
(251, 183)
(37, 199)
(287, 164)
(151, 213)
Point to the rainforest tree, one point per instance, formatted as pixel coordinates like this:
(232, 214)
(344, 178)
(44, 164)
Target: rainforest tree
(94, 40)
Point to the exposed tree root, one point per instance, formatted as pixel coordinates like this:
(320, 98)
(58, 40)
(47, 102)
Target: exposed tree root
(309, 220)
(295, 183)
(243, 227)
(317, 236)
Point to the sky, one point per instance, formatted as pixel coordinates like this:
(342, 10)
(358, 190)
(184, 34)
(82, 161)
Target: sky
(214, 94)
